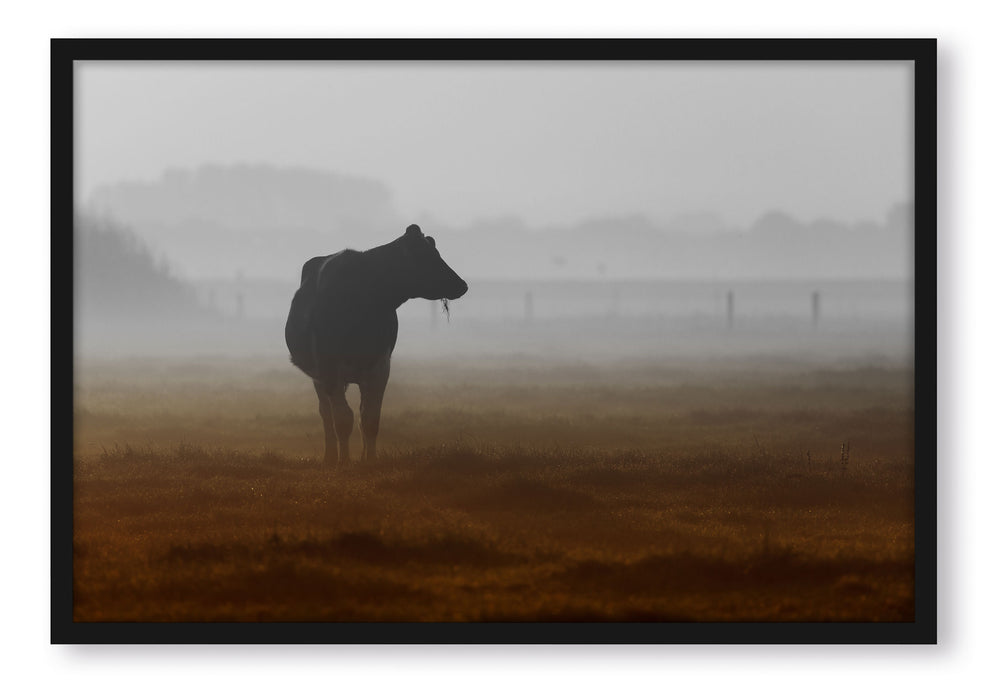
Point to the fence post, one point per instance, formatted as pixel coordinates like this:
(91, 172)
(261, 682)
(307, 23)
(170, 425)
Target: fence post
(239, 292)
(816, 307)
(730, 304)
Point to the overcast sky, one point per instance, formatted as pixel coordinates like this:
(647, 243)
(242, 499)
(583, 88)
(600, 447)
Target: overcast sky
(552, 143)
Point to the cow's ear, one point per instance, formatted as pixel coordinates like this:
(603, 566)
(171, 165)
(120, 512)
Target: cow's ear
(414, 231)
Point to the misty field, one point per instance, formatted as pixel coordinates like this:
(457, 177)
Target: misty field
(507, 489)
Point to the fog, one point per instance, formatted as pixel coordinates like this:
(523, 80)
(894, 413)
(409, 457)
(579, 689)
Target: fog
(128, 304)
(679, 386)
(551, 143)
(598, 211)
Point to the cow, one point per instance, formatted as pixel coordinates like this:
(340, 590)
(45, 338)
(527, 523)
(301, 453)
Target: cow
(342, 327)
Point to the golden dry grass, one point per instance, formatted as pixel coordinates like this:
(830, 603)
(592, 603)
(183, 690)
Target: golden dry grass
(580, 492)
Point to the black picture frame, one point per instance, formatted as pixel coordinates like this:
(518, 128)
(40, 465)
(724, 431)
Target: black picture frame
(922, 52)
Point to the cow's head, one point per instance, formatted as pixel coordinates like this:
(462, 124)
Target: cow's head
(430, 277)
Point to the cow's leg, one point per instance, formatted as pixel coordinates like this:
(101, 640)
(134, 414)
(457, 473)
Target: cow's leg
(329, 440)
(338, 423)
(372, 391)
(343, 422)
(371, 411)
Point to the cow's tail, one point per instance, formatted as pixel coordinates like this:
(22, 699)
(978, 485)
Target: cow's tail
(299, 337)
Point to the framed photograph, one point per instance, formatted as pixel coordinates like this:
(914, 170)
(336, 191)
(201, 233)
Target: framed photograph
(493, 341)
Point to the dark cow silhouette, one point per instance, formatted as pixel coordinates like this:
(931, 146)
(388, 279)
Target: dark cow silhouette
(342, 326)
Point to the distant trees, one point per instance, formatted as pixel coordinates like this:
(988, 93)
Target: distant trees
(264, 220)
(248, 197)
(117, 277)
(775, 246)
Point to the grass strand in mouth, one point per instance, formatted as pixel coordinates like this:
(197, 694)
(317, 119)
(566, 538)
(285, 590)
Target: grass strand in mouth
(445, 303)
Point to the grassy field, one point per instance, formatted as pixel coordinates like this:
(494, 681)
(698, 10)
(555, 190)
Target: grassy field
(551, 492)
